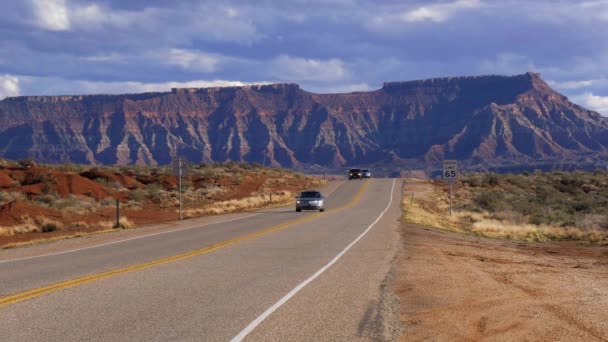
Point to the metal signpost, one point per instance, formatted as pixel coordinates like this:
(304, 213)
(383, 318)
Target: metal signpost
(450, 175)
(179, 169)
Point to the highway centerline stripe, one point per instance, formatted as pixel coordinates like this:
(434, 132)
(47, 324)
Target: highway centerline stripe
(129, 239)
(19, 297)
(139, 237)
(256, 322)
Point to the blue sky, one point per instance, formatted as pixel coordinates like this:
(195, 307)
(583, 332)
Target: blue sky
(111, 46)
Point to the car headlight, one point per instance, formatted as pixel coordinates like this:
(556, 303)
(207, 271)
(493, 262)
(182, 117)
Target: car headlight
(298, 201)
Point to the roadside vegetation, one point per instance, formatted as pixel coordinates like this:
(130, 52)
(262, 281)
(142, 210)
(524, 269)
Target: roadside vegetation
(529, 206)
(41, 201)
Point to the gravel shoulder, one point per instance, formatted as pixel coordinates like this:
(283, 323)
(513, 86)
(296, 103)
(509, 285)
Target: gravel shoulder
(453, 286)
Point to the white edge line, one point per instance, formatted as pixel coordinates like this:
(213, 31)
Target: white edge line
(129, 239)
(139, 237)
(297, 289)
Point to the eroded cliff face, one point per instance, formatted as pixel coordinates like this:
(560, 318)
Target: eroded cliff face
(486, 119)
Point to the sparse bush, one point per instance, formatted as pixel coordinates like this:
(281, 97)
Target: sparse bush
(47, 199)
(26, 163)
(491, 200)
(490, 179)
(137, 195)
(154, 191)
(49, 226)
(123, 223)
(186, 184)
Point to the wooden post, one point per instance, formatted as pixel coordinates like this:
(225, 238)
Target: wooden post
(450, 199)
(180, 188)
(117, 225)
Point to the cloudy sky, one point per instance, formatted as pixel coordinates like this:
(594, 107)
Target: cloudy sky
(116, 46)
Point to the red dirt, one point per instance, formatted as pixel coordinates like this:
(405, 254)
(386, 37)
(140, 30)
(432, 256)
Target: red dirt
(5, 180)
(126, 181)
(72, 184)
(13, 213)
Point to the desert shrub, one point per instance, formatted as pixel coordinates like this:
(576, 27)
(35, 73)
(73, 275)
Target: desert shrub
(186, 184)
(26, 163)
(71, 167)
(245, 166)
(210, 173)
(123, 223)
(519, 181)
(49, 226)
(137, 195)
(47, 199)
(491, 200)
(154, 191)
(68, 202)
(569, 185)
(108, 201)
(472, 180)
(490, 179)
(7, 196)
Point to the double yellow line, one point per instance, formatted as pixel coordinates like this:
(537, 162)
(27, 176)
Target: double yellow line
(19, 297)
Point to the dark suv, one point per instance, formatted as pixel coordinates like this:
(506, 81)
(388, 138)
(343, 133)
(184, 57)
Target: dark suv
(355, 174)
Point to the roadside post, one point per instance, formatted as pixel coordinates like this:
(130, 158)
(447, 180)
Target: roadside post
(117, 225)
(450, 175)
(179, 169)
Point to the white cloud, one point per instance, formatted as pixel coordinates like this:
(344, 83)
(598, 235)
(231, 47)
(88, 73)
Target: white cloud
(194, 60)
(110, 57)
(296, 69)
(593, 102)
(346, 88)
(9, 86)
(439, 12)
(138, 87)
(571, 84)
(51, 14)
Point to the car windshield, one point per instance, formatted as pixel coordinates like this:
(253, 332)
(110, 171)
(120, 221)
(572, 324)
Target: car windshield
(365, 170)
(309, 194)
(355, 170)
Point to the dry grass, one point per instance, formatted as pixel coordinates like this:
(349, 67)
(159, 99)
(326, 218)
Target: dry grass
(538, 233)
(123, 223)
(430, 207)
(230, 206)
(19, 229)
(29, 225)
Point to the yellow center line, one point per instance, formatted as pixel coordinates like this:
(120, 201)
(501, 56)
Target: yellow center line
(19, 297)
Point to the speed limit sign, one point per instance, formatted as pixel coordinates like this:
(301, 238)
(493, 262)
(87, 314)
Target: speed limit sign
(450, 171)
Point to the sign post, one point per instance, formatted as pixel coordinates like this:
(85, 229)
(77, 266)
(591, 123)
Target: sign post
(450, 175)
(179, 170)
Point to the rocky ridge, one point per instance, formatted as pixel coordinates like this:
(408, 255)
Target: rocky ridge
(482, 120)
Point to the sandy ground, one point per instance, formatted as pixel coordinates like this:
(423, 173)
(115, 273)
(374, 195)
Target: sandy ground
(457, 287)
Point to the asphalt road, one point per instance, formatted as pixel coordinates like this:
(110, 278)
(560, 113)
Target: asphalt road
(273, 275)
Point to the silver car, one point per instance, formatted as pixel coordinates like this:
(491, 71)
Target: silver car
(310, 200)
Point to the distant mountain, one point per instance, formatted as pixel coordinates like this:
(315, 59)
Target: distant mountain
(485, 120)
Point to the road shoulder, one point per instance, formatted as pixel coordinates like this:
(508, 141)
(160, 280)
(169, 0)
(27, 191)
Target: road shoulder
(458, 287)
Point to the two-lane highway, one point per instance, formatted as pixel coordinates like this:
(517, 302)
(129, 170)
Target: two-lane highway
(272, 275)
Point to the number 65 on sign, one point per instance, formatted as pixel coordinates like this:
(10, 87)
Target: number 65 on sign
(450, 171)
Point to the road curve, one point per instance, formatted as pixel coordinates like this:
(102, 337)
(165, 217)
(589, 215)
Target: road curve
(273, 276)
